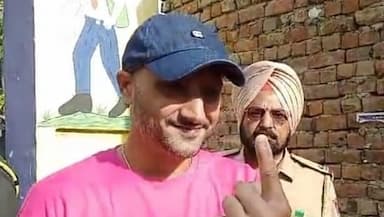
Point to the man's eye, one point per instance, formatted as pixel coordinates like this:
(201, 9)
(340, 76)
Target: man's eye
(280, 116)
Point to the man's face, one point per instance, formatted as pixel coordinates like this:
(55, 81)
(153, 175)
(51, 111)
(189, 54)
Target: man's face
(179, 115)
(265, 115)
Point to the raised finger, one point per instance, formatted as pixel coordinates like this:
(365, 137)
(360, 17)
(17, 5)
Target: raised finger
(232, 207)
(270, 183)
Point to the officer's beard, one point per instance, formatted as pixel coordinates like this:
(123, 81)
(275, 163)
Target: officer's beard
(248, 141)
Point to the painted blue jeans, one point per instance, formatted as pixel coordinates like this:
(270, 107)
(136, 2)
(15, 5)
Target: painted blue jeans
(94, 33)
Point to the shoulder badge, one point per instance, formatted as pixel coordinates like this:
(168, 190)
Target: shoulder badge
(311, 165)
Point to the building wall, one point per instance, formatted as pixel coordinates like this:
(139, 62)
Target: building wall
(337, 48)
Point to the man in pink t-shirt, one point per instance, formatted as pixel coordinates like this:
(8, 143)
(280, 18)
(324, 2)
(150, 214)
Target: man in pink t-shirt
(172, 76)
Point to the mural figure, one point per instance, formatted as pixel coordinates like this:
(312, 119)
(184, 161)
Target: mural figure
(101, 19)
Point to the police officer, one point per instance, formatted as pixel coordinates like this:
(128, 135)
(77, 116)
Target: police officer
(271, 103)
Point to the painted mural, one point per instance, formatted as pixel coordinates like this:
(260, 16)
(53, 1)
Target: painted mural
(78, 49)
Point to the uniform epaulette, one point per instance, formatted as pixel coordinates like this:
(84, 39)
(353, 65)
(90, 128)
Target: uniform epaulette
(311, 165)
(230, 152)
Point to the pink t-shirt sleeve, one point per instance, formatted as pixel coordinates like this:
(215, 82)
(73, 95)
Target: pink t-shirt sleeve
(40, 202)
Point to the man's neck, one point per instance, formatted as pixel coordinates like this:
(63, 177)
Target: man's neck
(151, 160)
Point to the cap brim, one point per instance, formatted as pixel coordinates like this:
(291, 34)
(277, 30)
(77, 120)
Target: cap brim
(180, 64)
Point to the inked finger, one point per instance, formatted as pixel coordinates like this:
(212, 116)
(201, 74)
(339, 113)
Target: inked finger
(270, 183)
(232, 207)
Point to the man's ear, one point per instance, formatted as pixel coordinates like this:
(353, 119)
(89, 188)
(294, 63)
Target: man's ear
(125, 81)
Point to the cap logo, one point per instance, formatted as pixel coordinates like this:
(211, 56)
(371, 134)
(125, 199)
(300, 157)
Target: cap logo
(197, 34)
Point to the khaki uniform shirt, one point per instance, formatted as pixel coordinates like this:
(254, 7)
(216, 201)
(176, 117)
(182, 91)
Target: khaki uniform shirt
(308, 186)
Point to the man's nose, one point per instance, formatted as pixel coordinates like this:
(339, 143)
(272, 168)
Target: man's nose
(193, 112)
(266, 121)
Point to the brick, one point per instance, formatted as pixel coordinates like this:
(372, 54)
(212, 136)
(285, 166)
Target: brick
(242, 3)
(245, 58)
(326, 59)
(355, 141)
(331, 42)
(276, 7)
(376, 192)
(358, 54)
(228, 5)
(222, 35)
(367, 207)
(370, 172)
(256, 27)
(345, 71)
(232, 36)
(327, 74)
(284, 51)
(350, 190)
(206, 14)
(313, 45)
(251, 13)
(245, 45)
(300, 15)
(373, 103)
(348, 86)
(338, 138)
(334, 155)
(270, 53)
(256, 57)
(314, 108)
(351, 121)
(316, 155)
(335, 169)
(348, 205)
(244, 31)
(321, 139)
(370, 15)
(368, 37)
(228, 21)
(304, 139)
(352, 156)
(292, 141)
(299, 64)
(349, 6)
(301, 3)
(334, 122)
(205, 3)
(298, 49)
(216, 10)
(378, 49)
(374, 156)
(350, 40)
(375, 140)
(379, 68)
(298, 33)
(321, 91)
(351, 104)
(380, 86)
(364, 3)
(366, 85)
(332, 107)
(305, 124)
(270, 24)
(351, 171)
(336, 24)
(191, 7)
(271, 39)
(365, 68)
(332, 8)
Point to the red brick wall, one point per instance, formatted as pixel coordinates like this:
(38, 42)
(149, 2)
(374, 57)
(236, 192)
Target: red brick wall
(339, 56)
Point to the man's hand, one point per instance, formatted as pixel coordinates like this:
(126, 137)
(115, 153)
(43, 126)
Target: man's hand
(249, 200)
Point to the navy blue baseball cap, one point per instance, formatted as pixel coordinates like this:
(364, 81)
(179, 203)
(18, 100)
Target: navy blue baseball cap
(174, 45)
